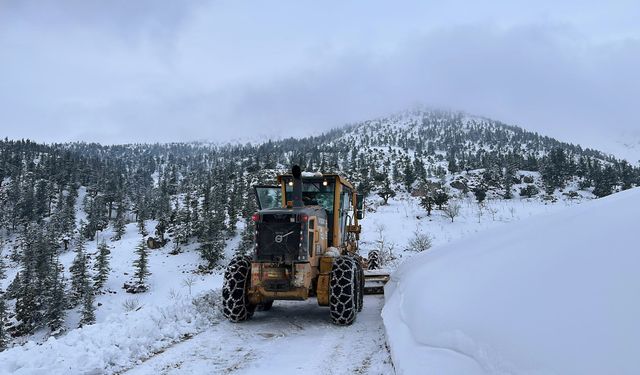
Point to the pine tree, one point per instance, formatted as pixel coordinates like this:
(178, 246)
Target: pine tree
(247, 239)
(120, 224)
(142, 228)
(480, 193)
(56, 301)
(409, 177)
(101, 266)
(26, 305)
(88, 307)
(2, 266)
(428, 193)
(440, 198)
(141, 264)
(4, 336)
(385, 191)
(28, 301)
(232, 210)
(79, 274)
(161, 228)
(211, 233)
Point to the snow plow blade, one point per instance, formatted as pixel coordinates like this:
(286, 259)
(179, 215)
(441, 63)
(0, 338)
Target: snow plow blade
(374, 281)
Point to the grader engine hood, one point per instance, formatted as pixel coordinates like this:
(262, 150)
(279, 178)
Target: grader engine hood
(278, 237)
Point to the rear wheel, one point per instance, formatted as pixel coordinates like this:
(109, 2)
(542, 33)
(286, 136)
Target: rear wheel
(373, 260)
(235, 296)
(343, 298)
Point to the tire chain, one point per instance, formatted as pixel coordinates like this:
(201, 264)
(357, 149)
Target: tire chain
(235, 304)
(373, 260)
(358, 261)
(344, 299)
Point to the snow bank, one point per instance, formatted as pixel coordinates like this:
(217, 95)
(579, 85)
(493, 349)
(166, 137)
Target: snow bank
(553, 294)
(113, 345)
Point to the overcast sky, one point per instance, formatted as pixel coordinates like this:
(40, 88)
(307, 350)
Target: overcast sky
(122, 71)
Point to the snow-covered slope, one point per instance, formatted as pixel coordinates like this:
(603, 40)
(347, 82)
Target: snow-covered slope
(552, 294)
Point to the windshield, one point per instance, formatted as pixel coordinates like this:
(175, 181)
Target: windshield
(315, 194)
(269, 196)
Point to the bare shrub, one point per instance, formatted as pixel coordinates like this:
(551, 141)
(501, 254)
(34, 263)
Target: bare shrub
(452, 210)
(492, 211)
(419, 242)
(188, 282)
(384, 247)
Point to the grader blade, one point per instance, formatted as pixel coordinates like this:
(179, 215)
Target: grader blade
(374, 281)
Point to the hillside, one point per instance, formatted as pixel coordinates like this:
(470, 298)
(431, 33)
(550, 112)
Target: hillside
(64, 206)
(553, 294)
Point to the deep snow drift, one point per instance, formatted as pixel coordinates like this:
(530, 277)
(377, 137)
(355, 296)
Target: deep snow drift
(553, 294)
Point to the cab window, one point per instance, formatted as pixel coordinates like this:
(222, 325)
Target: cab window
(268, 196)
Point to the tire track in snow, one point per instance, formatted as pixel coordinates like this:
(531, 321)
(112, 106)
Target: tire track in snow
(294, 337)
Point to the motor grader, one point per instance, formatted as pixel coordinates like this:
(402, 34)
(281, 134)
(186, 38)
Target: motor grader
(306, 243)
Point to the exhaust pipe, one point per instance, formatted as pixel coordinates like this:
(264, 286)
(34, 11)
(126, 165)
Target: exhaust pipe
(297, 186)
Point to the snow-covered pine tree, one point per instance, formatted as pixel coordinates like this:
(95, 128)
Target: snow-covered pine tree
(69, 212)
(97, 218)
(88, 315)
(141, 265)
(120, 223)
(142, 228)
(247, 240)
(56, 299)
(211, 224)
(385, 191)
(79, 274)
(101, 266)
(4, 336)
(232, 209)
(161, 228)
(2, 266)
(409, 177)
(481, 193)
(29, 292)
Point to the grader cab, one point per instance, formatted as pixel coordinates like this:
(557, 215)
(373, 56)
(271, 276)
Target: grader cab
(307, 232)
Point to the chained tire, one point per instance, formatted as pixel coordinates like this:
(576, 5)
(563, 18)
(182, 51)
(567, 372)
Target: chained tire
(360, 286)
(373, 260)
(358, 261)
(343, 288)
(235, 296)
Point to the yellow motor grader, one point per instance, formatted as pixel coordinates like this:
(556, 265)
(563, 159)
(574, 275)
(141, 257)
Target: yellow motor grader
(306, 243)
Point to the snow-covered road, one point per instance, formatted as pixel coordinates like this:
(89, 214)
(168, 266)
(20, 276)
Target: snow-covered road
(292, 338)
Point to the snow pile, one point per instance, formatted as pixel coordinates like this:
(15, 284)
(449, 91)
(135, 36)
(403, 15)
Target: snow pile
(116, 344)
(554, 294)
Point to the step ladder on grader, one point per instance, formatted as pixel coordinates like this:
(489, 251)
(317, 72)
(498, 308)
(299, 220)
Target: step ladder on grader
(307, 231)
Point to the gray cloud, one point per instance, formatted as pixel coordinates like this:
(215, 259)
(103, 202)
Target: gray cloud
(143, 71)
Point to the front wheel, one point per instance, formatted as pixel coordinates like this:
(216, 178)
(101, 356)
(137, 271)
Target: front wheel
(343, 289)
(235, 296)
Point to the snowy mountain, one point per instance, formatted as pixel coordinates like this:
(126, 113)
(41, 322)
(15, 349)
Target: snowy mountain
(62, 205)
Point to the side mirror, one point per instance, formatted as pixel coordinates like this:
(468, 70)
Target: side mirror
(360, 206)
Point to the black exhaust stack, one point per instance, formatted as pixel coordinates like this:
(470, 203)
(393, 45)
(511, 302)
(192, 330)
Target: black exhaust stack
(297, 186)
